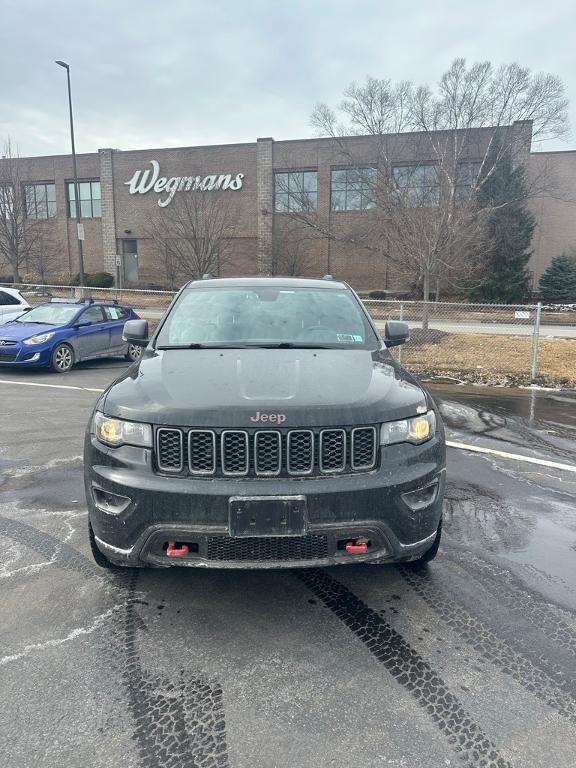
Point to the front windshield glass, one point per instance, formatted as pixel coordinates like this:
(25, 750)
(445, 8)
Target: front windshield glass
(269, 316)
(49, 314)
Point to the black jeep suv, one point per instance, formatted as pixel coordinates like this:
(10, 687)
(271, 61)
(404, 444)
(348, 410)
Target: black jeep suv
(265, 425)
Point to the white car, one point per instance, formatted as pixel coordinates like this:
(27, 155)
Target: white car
(12, 304)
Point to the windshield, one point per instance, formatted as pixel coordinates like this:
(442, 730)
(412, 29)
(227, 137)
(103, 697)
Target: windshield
(269, 317)
(49, 314)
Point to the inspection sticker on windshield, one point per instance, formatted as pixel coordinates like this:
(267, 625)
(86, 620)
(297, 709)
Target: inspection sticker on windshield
(348, 337)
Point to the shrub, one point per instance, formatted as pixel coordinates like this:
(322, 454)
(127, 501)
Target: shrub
(380, 295)
(101, 280)
(94, 279)
(558, 282)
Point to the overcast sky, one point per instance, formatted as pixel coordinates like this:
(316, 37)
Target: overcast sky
(156, 73)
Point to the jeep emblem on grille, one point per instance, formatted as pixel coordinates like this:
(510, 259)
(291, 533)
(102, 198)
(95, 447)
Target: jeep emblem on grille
(274, 418)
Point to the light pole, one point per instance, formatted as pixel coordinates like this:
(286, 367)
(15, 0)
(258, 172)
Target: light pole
(79, 231)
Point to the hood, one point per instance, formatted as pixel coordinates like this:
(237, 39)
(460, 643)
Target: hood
(235, 388)
(19, 331)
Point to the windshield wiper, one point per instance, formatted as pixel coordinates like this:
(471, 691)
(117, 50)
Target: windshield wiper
(196, 345)
(289, 345)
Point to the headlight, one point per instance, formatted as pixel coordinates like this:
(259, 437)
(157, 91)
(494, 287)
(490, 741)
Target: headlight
(416, 430)
(40, 339)
(117, 432)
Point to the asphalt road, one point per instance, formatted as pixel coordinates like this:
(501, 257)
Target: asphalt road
(469, 663)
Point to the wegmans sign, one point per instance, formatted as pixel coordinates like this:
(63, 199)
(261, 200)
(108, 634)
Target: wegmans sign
(150, 180)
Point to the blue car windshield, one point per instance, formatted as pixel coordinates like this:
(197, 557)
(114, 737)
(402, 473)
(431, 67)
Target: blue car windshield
(267, 316)
(49, 314)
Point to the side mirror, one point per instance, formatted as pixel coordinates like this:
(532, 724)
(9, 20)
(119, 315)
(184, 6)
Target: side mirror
(136, 332)
(396, 332)
(82, 323)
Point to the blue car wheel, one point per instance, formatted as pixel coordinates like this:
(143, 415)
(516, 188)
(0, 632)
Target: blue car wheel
(62, 358)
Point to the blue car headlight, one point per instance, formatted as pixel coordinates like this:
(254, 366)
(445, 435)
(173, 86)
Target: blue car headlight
(41, 338)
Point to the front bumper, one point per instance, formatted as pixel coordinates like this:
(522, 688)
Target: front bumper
(21, 355)
(368, 506)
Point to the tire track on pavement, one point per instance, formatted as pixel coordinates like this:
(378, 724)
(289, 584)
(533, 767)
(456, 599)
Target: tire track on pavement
(409, 669)
(557, 694)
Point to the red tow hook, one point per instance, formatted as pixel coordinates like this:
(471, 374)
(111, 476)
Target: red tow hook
(174, 551)
(358, 548)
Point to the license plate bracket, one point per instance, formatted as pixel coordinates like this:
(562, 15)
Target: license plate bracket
(267, 516)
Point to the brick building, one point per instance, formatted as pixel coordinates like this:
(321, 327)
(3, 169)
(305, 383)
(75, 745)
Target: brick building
(123, 192)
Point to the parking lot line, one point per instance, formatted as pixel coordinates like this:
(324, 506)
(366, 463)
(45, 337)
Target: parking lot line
(50, 386)
(515, 456)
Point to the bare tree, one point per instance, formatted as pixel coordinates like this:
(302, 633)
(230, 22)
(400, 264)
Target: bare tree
(17, 235)
(193, 234)
(291, 250)
(422, 187)
(45, 254)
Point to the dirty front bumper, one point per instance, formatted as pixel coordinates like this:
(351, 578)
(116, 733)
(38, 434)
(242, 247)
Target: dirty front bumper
(135, 512)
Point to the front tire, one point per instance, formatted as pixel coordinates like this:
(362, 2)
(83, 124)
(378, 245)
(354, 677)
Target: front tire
(99, 557)
(133, 353)
(62, 358)
(431, 553)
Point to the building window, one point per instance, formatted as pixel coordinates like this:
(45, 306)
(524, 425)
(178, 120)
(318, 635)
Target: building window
(466, 178)
(295, 191)
(90, 204)
(352, 189)
(6, 201)
(419, 185)
(40, 200)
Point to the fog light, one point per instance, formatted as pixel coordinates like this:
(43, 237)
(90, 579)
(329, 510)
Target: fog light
(111, 503)
(422, 497)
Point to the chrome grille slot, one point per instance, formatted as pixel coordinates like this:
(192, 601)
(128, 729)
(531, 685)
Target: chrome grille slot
(267, 453)
(363, 448)
(169, 450)
(234, 452)
(202, 452)
(332, 450)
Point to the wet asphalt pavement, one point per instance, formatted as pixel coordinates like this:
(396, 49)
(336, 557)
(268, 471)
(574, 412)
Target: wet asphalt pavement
(471, 662)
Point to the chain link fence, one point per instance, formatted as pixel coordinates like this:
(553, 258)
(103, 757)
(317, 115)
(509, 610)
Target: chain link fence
(483, 343)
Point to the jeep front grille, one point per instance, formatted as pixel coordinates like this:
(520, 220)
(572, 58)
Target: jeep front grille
(267, 452)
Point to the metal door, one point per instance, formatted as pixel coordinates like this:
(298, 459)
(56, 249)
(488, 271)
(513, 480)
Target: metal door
(130, 260)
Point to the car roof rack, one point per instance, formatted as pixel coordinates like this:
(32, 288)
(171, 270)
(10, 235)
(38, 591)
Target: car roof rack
(85, 301)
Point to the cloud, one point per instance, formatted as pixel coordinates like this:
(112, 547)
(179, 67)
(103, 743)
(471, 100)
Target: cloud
(184, 72)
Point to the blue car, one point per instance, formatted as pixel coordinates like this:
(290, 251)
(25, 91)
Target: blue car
(61, 333)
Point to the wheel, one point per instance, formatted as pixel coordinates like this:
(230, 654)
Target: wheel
(99, 558)
(431, 553)
(133, 353)
(62, 358)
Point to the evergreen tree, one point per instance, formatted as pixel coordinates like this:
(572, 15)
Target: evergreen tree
(510, 228)
(558, 282)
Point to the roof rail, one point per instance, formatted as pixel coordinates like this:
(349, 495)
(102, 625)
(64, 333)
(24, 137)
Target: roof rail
(85, 300)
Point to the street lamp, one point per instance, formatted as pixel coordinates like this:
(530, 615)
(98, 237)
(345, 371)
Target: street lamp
(76, 188)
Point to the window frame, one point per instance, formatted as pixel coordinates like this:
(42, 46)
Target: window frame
(463, 190)
(346, 185)
(303, 191)
(421, 191)
(32, 185)
(69, 200)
